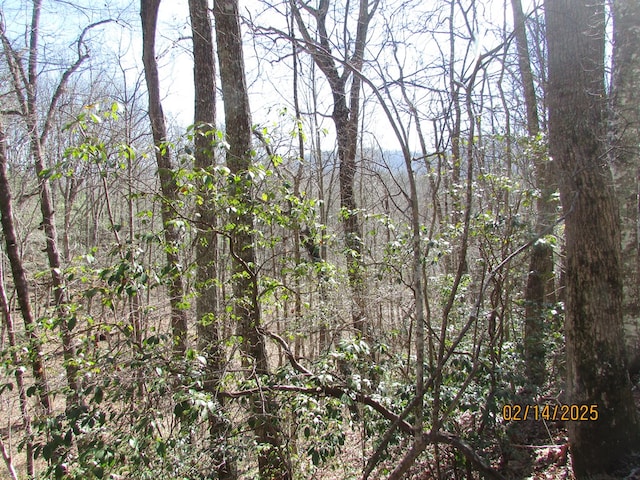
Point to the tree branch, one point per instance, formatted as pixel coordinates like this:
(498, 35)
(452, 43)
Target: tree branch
(62, 85)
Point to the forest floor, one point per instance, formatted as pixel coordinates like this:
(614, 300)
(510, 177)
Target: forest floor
(526, 450)
(539, 450)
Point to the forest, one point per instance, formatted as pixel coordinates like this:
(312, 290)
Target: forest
(320, 239)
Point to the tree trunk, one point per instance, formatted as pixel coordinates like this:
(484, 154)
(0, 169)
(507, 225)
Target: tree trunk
(540, 278)
(625, 122)
(596, 364)
(454, 119)
(22, 288)
(20, 281)
(36, 140)
(149, 17)
(345, 117)
(273, 458)
(207, 310)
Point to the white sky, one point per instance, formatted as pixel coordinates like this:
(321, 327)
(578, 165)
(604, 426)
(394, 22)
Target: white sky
(62, 20)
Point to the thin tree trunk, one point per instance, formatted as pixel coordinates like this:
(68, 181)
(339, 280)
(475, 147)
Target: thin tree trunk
(296, 190)
(36, 138)
(273, 458)
(324, 338)
(135, 302)
(22, 389)
(455, 135)
(20, 281)
(596, 365)
(207, 310)
(21, 286)
(149, 17)
(539, 290)
(6, 455)
(625, 122)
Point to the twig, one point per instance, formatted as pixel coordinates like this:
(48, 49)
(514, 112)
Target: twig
(341, 392)
(7, 459)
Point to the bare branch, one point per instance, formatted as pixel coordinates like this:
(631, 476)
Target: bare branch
(15, 67)
(287, 352)
(62, 85)
(8, 461)
(405, 427)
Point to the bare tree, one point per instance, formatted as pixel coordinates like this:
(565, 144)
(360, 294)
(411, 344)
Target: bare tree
(345, 115)
(539, 289)
(149, 16)
(24, 300)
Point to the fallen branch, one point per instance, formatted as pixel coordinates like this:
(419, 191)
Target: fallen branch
(327, 391)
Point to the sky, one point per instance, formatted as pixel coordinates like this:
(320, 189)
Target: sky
(120, 42)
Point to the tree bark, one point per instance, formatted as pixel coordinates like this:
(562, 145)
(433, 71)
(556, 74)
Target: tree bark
(345, 117)
(625, 123)
(207, 310)
(36, 140)
(596, 364)
(22, 288)
(539, 289)
(149, 17)
(273, 458)
(20, 281)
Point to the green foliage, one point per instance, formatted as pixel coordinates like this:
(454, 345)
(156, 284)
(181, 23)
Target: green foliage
(145, 439)
(321, 422)
(143, 413)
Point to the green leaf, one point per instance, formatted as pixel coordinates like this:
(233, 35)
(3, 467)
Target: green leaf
(99, 395)
(181, 408)
(161, 448)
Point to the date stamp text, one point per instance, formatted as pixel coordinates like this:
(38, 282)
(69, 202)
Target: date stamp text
(550, 412)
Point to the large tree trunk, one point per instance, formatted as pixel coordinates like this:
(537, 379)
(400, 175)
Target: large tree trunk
(539, 290)
(626, 156)
(207, 309)
(273, 458)
(149, 17)
(596, 364)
